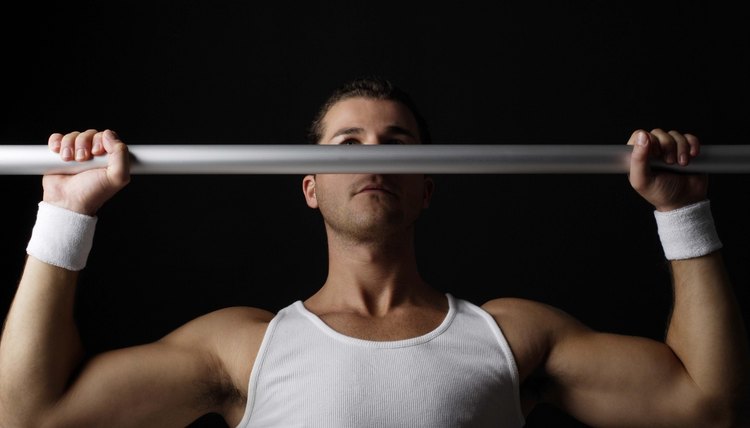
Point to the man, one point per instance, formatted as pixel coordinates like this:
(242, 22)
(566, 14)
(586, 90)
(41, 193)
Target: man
(376, 345)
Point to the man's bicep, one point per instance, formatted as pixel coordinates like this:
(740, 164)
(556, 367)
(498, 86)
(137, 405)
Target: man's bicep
(609, 379)
(599, 378)
(158, 384)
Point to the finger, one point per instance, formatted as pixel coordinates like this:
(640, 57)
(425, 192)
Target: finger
(683, 147)
(667, 144)
(97, 147)
(695, 144)
(654, 147)
(634, 137)
(54, 142)
(83, 144)
(67, 145)
(118, 164)
(640, 169)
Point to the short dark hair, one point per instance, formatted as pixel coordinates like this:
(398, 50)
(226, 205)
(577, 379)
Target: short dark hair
(374, 87)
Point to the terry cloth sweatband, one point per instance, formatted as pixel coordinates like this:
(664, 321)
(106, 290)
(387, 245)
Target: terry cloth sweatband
(61, 237)
(687, 232)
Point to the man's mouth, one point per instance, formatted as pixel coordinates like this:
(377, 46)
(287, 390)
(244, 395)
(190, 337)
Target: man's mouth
(376, 189)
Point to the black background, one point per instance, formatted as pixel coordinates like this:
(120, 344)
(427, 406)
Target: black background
(170, 248)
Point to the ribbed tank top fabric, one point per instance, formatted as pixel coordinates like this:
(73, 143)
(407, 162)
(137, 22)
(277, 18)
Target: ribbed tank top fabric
(461, 374)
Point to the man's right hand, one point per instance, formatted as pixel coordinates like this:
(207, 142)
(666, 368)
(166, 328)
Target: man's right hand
(87, 191)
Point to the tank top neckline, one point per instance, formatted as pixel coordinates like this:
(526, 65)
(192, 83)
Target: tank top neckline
(402, 343)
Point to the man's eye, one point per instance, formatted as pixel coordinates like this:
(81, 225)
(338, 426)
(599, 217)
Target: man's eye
(349, 142)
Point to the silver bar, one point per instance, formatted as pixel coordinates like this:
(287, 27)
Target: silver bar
(383, 159)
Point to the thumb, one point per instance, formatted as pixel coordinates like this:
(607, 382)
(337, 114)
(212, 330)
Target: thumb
(640, 169)
(118, 162)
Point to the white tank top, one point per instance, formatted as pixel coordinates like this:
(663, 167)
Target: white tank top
(462, 374)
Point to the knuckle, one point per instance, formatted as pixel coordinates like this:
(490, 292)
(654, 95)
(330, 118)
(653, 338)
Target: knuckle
(69, 138)
(81, 139)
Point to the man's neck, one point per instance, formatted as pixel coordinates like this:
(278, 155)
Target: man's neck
(372, 279)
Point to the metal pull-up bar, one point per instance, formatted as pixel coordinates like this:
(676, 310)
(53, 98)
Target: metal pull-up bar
(383, 159)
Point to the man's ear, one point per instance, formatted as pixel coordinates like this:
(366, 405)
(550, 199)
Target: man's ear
(308, 188)
(429, 187)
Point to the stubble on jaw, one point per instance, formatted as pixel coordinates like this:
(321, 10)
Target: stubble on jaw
(379, 223)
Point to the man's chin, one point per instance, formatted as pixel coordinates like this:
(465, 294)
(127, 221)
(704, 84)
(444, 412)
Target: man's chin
(377, 228)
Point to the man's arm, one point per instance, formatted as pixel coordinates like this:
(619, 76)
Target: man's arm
(45, 383)
(697, 377)
(167, 383)
(40, 345)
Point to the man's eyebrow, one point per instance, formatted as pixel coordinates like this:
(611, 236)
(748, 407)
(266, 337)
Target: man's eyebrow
(393, 129)
(347, 131)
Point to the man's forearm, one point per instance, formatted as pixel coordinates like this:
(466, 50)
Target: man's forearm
(40, 345)
(706, 330)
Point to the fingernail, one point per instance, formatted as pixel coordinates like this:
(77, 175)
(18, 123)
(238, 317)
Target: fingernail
(642, 140)
(683, 159)
(670, 158)
(67, 153)
(80, 154)
(97, 147)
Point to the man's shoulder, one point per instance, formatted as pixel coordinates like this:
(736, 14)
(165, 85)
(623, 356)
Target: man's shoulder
(239, 315)
(530, 328)
(229, 320)
(530, 317)
(514, 306)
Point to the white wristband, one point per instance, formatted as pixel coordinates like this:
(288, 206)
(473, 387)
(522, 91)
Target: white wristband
(61, 237)
(687, 232)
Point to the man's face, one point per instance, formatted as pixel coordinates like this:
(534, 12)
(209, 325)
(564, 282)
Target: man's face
(368, 206)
